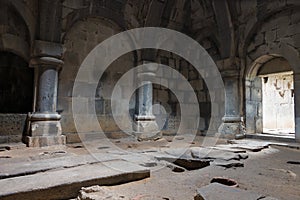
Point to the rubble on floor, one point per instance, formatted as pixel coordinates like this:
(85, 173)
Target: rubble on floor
(97, 192)
(32, 177)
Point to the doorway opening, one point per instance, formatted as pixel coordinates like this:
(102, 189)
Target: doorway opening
(270, 107)
(278, 103)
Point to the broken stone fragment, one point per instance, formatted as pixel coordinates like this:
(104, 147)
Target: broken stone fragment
(228, 164)
(97, 192)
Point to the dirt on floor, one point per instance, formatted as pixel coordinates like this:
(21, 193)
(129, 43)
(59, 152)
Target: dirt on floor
(274, 171)
(267, 172)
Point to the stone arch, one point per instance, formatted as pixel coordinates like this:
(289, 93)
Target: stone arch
(78, 42)
(16, 96)
(15, 36)
(254, 25)
(99, 12)
(27, 11)
(274, 35)
(281, 50)
(16, 77)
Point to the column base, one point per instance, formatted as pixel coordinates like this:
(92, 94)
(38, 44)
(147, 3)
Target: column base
(45, 130)
(147, 130)
(43, 141)
(232, 128)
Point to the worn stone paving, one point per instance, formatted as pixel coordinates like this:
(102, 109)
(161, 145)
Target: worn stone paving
(34, 177)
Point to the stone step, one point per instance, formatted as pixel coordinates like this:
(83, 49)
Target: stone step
(65, 183)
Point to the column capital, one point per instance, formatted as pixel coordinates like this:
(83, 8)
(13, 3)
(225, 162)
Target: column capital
(47, 49)
(46, 53)
(50, 61)
(232, 73)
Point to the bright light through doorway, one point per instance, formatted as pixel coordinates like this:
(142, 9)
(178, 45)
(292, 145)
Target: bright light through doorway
(278, 103)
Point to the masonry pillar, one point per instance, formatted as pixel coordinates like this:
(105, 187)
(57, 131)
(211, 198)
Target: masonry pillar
(145, 126)
(297, 105)
(232, 125)
(45, 127)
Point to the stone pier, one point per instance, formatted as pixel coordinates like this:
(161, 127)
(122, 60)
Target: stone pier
(232, 125)
(45, 128)
(145, 126)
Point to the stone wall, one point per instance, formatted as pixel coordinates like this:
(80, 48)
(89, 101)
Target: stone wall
(236, 34)
(79, 41)
(283, 27)
(12, 127)
(166, 98)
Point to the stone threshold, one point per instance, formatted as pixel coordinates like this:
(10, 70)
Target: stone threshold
(279, 138)
(69, 181)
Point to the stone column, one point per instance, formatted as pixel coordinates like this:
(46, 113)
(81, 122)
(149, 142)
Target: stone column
(45, 127)
(297, 105)
(145, 126)
(232, 125)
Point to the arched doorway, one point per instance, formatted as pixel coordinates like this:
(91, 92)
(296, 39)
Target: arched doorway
(16, 96)
(270, 106)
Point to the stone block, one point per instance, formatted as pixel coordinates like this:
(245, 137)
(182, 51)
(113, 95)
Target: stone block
(215, 109)
(190, 97)
(50, 49)
(295, 41)
(294, 29)
(64, 104)
(45, 128)
(72, 58)
(67, 123)
(43, 141)
(190, 109)
(108, 124)
(202, 97)
(85, 123)
(295, 17)
(85, 89)
(260, 50)
(185, 72)
(270, 36)
(72, 138)
(107, 107)
(259, 39)
(256, 95)
(65, 87)
(99, 106)
(165, 82)
(193, 74)
(12, 124)
(197, 84)
(163, 95)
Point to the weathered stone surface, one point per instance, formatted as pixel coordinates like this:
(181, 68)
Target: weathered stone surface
(204, 153)
(187, 163)
(43, 186)
(228, 164)
(215, 191)
(250, 145)
(8, 170)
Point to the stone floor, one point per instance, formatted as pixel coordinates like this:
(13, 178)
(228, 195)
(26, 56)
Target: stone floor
(169, 168)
